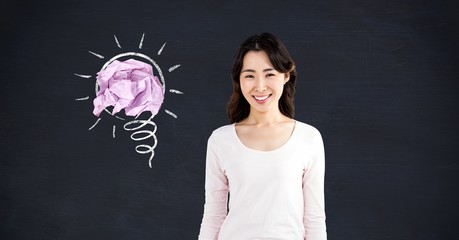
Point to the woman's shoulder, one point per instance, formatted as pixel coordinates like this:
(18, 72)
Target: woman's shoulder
(223, 132)
(222, 137)
(307, 130)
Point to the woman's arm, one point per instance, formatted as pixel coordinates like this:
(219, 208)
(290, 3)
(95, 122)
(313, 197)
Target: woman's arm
(216, 186)
(313, 193)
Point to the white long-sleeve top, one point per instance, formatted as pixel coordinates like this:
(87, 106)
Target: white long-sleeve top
(276, 194)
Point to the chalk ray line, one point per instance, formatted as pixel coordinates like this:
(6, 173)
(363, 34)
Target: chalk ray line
(97, 121)
(114, 129)
(174, 67)
(117, 42)
(82, 99)
(120, 118)
(97, 55)
(171, 113)
(82, 76)
(161, 49)
(141, 41)
(175, 91)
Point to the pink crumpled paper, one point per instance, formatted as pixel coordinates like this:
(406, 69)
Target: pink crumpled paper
(128, 85)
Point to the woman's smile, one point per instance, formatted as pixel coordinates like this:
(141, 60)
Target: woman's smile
(262, 98)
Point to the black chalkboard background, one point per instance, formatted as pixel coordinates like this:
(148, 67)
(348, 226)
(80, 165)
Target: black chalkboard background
(379, 79)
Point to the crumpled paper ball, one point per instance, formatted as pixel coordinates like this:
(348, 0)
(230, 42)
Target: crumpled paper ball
(128, 85)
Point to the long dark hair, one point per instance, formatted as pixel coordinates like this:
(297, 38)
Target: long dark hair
(238, 108)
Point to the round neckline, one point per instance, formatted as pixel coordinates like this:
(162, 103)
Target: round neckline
(295, 126)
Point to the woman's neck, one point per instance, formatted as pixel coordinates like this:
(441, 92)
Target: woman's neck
(265, 118)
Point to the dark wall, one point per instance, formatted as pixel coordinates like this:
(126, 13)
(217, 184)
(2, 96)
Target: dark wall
(379, 79)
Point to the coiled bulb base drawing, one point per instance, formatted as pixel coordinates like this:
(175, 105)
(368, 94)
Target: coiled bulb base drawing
(140, 134)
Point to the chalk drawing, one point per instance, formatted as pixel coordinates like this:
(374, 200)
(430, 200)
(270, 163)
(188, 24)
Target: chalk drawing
(82, 99)
(161, 49)
(97, 55)
(175, 91)
(141, 135)
(97, 121)
(82, 76)
(171, 113)
(141, 41)
(117, 42)
(174, 67)
(142, 129)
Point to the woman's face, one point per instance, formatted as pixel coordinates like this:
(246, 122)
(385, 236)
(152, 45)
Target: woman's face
(261, 84)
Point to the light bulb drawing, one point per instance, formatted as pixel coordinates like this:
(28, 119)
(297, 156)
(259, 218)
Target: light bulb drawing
(132, 86)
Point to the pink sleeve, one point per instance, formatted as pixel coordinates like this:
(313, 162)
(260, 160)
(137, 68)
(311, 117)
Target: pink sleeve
(216, 187)
(313, 193)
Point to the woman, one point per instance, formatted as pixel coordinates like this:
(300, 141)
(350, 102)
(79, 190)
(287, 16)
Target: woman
(271, 165)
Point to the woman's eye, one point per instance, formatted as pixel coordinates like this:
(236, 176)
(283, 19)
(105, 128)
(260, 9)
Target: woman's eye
(270, 75)
(248, 76)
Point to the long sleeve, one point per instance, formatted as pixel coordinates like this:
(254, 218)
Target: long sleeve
(216, 192)
(313, 193)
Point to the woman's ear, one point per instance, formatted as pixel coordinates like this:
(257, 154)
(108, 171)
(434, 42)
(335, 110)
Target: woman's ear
(286, 78)
(287, 75)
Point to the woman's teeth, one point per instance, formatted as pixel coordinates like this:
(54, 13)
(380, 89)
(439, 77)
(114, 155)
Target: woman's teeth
(261, 98)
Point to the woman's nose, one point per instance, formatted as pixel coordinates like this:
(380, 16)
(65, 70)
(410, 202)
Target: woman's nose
(260, 85)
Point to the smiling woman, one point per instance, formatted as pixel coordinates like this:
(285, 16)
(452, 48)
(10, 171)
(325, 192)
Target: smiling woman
(272, 165)
(261, 84)
(279, 59)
